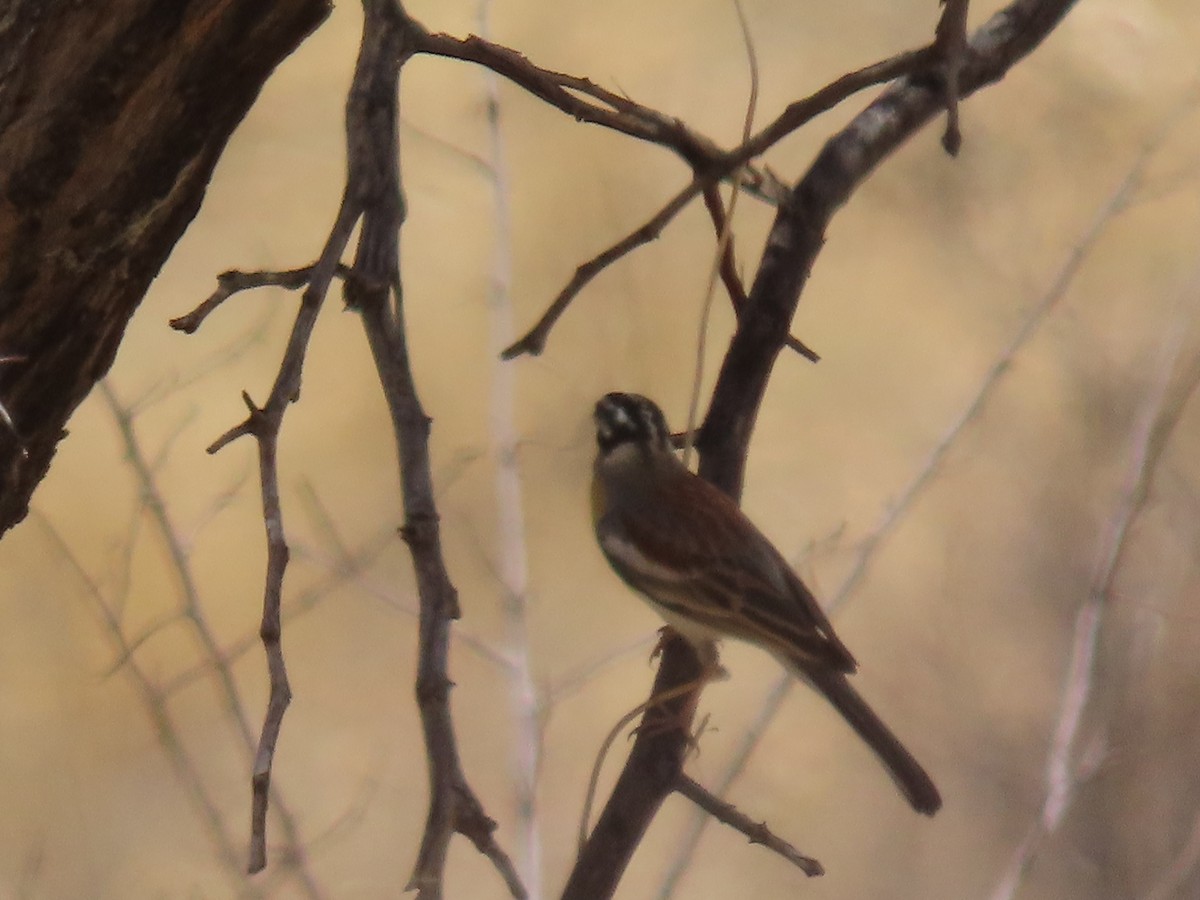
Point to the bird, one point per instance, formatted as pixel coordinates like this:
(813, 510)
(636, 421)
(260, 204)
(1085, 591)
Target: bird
(688, 549)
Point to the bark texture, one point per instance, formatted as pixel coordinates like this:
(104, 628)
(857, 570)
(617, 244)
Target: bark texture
(112, 117)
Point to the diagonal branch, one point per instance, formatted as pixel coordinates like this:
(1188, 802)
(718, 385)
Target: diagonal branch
(191, 611)
(869, 546)
(796, 238)
(757, 832)
(1169, 397)
(798, 232)
(713, 170)
(188, 769)
(728, 267)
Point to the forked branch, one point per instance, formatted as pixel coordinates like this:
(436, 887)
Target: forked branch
(372, 197)
(655, 762)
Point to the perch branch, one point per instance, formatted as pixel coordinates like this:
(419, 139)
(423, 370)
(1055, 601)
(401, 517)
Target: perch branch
(796, 238)
(870, 545)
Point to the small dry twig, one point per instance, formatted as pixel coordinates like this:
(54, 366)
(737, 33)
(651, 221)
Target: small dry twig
(717, 166)
(757, 832)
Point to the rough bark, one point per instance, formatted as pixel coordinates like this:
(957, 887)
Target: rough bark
(112, 117)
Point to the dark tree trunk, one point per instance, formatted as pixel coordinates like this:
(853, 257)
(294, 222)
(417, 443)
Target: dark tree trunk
(112, 117)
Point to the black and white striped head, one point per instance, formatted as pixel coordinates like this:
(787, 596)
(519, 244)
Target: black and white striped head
(630, 419)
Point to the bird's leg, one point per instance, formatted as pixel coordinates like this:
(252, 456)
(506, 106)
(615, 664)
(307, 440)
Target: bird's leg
(658, 718)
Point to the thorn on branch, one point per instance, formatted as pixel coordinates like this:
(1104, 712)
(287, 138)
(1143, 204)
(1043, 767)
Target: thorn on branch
(728, 269)
(228, 437)
(950, 43)
(480, 829)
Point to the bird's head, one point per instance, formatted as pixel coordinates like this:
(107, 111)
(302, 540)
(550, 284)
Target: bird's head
(630, 419)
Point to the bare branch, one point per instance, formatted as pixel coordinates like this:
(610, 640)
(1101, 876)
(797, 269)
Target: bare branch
(757, 832)
(715, 169)
(230, 283)
(373, 288)
(791, 249)
(534, 341)
(192, 612)
(563, 92)
(1066, 768)
(170, 739)
(651, 772)
(511, 558)
(264, 425)
(723, 252)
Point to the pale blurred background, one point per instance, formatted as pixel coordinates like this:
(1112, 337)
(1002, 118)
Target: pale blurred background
(1050, 276)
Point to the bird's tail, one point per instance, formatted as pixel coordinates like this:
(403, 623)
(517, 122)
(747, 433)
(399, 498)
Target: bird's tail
(912, 780)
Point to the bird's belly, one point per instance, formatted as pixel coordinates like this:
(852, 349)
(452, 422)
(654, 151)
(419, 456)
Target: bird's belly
(695, 633)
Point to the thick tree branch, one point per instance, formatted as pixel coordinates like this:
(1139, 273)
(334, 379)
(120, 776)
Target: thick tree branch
(728, 267)
(798, 232)
(112, 117)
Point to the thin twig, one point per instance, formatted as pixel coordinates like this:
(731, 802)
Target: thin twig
(232, 282)
(757, 832)
(340, 571)
(568, 93)
(191, 610)
(728, 268)
(373, 289)
(533, 342)
(1065, 772)
(169, 736)
(714, 170)
(657, 702)
(264, 424)
(511, 551)
(577, 678)
(724, 246)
